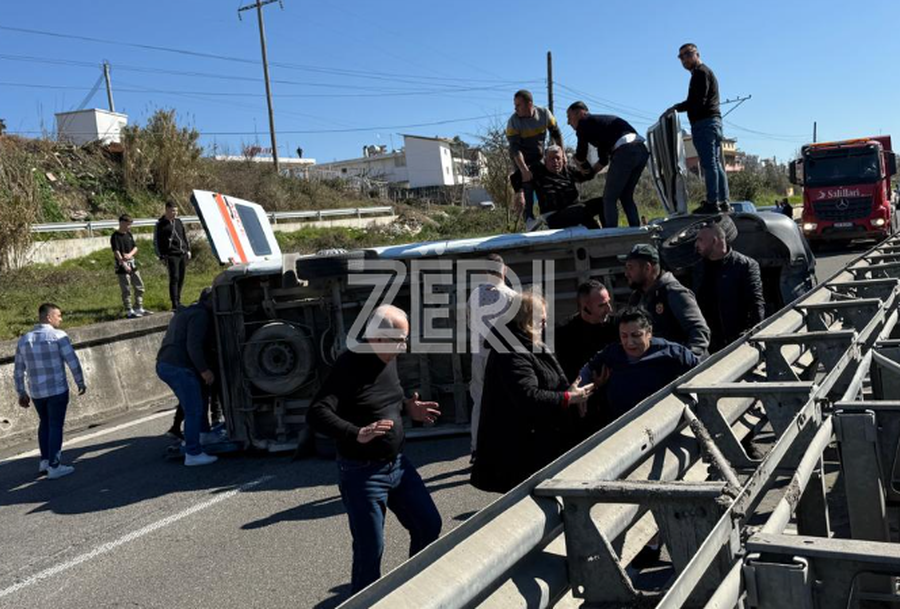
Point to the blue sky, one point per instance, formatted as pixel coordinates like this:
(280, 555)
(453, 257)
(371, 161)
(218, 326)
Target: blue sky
(376, 68)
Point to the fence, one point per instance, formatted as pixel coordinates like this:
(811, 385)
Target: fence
(274, 217)
(742, 528)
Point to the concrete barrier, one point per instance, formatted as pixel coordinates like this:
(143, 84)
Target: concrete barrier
(119, 362)
(56, 251)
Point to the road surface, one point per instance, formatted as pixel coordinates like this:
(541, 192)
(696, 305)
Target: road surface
(131, 529)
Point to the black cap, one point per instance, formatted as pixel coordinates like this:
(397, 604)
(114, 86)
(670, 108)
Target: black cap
(644, 251)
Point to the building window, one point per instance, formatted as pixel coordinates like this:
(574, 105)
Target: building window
(343, 170)
(447, 170)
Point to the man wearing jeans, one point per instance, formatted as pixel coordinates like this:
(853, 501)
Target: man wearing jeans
(619, 146)
(360, 405)
(702, 107)
(181, 364)
(42, 356)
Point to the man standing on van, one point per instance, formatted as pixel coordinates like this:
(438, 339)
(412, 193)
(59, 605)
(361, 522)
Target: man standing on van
(526, 132)
(172, 247)
(702, 107)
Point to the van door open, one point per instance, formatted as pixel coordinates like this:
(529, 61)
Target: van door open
(238, 231)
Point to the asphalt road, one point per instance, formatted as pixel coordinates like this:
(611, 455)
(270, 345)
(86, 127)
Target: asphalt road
(131, 529)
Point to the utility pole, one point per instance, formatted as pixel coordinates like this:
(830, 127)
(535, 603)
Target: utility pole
(814, 132)
(109, 97)
(265, 61)
(550, 81)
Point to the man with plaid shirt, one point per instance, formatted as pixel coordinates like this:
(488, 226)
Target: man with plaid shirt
(42, 356)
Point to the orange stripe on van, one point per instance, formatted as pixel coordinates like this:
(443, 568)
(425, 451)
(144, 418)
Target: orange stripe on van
(229, 223)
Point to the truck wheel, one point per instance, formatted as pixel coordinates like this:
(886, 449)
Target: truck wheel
(327, 263)
(278, 358)
(677, 252)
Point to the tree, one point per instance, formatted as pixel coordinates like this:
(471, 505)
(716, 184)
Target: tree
(498, 167)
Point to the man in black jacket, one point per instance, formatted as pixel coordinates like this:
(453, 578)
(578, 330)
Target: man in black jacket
(619, 146)
(728, 286)
(557, 192)
(172, 247)
(578, 339)
(672, 307)
(360, 405)
(702, 107)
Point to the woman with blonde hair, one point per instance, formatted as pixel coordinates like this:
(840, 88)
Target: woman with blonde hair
(525, 401)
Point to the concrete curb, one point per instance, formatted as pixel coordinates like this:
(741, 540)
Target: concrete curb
(119, 362)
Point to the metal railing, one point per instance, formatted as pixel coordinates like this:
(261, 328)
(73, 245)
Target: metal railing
(824, 369)
(274, 217)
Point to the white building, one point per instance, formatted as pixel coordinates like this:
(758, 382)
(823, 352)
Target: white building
(290, 165)
(84, 126)
(423, 161)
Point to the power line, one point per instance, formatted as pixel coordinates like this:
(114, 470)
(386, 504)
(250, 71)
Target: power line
(407, 78)
(328, 131)
(242, 94)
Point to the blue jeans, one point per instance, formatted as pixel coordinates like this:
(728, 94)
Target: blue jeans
(626, 164)
(185, 383)
(368, 488)
(707, 136)
(52, 412)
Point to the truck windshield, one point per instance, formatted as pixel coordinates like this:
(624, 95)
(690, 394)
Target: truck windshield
(837, 167)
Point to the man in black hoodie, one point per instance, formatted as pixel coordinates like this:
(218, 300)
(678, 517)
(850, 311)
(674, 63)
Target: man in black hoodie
(172, 247)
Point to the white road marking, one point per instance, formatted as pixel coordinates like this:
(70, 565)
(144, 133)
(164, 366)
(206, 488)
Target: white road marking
(108, 547)
(90, 436)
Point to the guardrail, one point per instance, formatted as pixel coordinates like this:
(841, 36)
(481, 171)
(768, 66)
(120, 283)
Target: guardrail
(824, 369)
(274, 217)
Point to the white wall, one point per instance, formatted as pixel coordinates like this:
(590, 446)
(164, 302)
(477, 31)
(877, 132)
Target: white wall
(378, 168)
(428, 162)
(87, 126)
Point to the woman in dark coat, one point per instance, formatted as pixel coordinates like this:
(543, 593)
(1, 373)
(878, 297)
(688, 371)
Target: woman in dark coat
(526, 396)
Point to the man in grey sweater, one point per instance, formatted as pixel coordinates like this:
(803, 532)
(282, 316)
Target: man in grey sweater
(181, 364)
(526, 132)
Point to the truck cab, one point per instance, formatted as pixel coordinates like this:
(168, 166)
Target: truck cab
(847, 191)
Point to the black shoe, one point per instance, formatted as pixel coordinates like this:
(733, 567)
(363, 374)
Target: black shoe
(707, 208)
(472, 458)
(175, 432)
(647, 557)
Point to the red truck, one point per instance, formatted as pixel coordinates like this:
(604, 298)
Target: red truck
(847, 189)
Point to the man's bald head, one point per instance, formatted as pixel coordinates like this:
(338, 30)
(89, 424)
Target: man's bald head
(387, 331)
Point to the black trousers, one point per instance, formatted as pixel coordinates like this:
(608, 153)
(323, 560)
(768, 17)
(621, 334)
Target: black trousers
(574, 215)
(176, 266)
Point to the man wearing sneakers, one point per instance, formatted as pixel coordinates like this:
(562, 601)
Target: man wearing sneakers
(526, 132)
(42, 356)
(702, 107)
(181, 364)
(125, 250)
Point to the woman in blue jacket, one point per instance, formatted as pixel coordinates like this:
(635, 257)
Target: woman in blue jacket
(638, 365)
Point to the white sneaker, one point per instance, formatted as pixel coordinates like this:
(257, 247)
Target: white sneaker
(59, 471)
(131, 314)
(44, 466)
(142, 312)
(201, 459)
